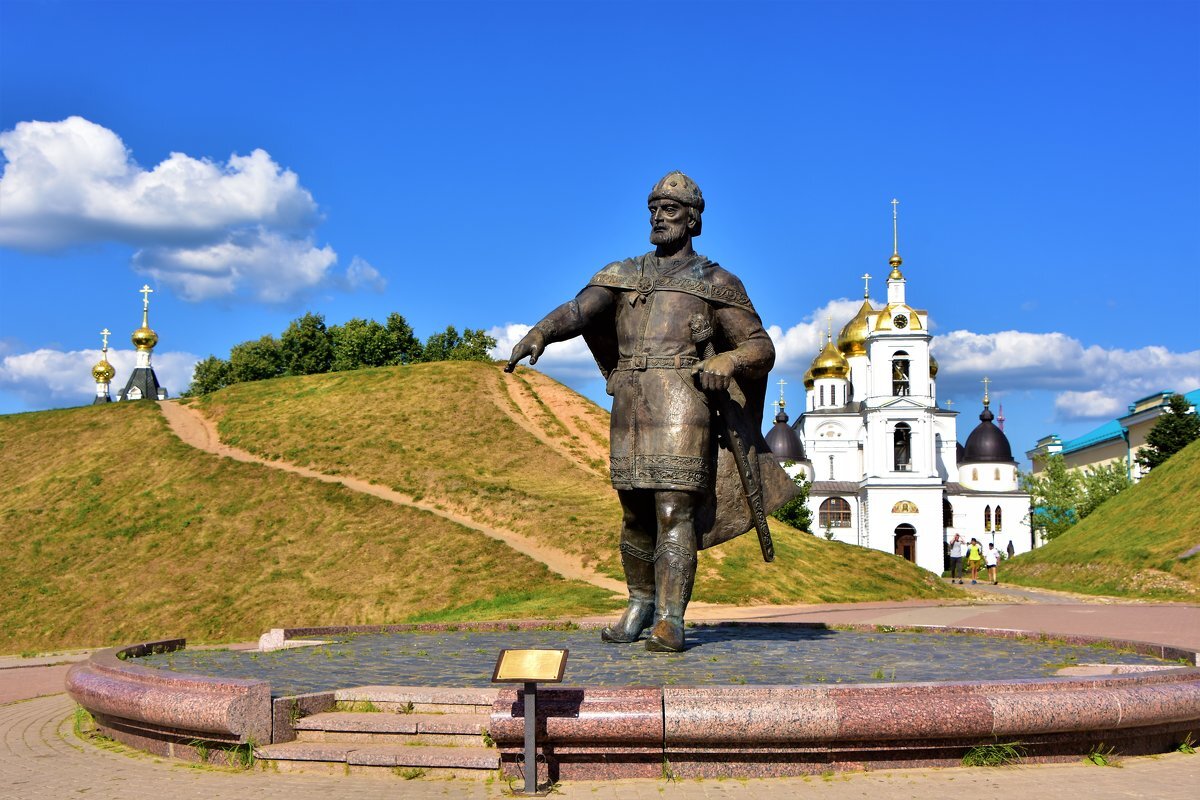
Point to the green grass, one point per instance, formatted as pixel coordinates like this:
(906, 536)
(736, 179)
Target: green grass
(1130, 546)
(115, 531)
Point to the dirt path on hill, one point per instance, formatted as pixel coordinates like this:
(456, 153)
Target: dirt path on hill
(200, 432)
(562, 420)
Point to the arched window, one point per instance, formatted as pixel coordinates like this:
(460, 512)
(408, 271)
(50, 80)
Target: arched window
(900, 373)
(947, 513)
(822, 390)
(834, 513)
(998, 520)
(974, 474)
(997, 473)
(987, 518)
(902, 446)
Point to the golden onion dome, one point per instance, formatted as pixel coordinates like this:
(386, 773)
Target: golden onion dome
(144, 338)
(933, 366)
(830, 363)
(809, 380)
(852, 341)
(103, 372)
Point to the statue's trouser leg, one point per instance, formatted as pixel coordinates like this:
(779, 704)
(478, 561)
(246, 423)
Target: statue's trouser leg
(637, 557)
(674, 569)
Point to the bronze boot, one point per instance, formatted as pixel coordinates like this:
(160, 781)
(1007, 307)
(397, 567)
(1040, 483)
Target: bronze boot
(674, 574)
(639, 577)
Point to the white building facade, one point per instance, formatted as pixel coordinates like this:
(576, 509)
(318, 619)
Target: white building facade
(886, 468)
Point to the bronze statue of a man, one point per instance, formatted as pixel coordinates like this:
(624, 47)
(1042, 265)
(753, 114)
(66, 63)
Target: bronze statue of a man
(679, 488)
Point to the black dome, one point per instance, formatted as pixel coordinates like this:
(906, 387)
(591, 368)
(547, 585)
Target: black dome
(783, 441)
(959, 452)
(987, 443)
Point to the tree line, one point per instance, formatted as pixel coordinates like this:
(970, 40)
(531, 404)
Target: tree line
(308, 346)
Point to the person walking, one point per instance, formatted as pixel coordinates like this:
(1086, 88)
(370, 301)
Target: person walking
(974, 558)
(956, 559)
(991, 558)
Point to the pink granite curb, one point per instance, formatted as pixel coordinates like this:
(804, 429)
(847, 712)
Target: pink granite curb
(157, 709)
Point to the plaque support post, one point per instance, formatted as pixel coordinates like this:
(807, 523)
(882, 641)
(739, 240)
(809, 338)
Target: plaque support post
(530, 737)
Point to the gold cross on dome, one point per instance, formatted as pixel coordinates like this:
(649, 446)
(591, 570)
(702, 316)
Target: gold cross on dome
(106, 333)
(866, 279)
(782, 383)
(949, 404)
(985, 383)
(895, 230)
(145, 292)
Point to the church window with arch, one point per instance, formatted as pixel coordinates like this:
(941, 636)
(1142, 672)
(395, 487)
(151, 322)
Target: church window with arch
(997, 522)
(821, 389)
(974, 473)
(997, 476)
(902, 447)
(834, 513)
(900, 374)
(987, 518)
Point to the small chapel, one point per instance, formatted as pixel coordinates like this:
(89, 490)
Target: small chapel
(143, 383)
(883, 457)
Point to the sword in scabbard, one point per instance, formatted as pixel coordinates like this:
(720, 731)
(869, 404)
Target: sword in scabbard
(736, 429)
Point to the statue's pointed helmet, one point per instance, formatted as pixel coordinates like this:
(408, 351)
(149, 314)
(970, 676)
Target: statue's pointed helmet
(682, 189)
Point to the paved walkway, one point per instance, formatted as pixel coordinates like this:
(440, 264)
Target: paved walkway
(41, 759)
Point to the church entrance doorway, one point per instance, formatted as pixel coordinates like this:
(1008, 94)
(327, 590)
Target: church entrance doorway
(906, 542)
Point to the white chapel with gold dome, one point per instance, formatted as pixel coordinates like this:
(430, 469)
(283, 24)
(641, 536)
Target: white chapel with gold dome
(883, 456)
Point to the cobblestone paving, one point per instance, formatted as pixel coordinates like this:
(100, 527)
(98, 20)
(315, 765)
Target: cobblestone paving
(717, 655)
(40, 759)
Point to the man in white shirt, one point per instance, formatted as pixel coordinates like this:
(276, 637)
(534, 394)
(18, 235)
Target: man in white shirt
(990, 559)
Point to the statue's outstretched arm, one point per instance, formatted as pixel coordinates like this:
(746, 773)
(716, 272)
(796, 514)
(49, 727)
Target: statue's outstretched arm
(565, 322)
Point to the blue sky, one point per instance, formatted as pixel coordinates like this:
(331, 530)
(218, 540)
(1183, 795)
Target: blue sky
(473, 164)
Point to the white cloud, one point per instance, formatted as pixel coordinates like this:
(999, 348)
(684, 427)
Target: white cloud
(565, 361)
(273, 268)
(1095, 404)
(361, 275)
(205, 228)
(49, 378)
(796, 347)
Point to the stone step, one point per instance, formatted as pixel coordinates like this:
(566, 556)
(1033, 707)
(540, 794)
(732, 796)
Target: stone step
(333, 757)
(463, 730)
(406, 699)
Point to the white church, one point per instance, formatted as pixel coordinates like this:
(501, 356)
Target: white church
(883, 457)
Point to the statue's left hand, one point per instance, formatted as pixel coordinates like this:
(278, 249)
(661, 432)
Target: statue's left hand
(716, 373)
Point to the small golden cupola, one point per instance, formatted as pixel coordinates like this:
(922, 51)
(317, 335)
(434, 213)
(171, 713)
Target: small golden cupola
(809, 380)
(830, 363)
(144, 338)
(852, 340)
(933, 366)
(103, 372)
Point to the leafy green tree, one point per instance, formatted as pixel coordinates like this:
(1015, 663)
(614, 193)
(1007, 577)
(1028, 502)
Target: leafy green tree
(472, 345)
(361, 343)
(1178, 427)
(256, 360)
(305, 346)
(209, 375)
(407, 346)
(795, 511)
(1100, 484)
(1055, 496)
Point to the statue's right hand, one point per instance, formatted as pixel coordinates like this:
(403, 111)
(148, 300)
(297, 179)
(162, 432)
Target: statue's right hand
(532, 345)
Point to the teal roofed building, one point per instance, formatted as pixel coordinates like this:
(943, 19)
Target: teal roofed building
(1116, 441)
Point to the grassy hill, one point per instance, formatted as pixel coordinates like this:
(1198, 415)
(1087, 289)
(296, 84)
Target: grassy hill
(115, 530)
(1130, 546)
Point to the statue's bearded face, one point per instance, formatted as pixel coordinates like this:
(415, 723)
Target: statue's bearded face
(670, 221)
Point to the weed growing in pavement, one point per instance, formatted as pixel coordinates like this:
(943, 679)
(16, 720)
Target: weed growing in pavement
(1103, 758)
(999, 754)
(1188, 745)
(408, 773)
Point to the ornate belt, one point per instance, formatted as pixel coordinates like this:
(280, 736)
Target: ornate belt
(656, 362)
